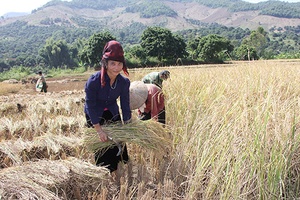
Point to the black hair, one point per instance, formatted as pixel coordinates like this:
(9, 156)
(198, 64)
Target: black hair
(103, 63)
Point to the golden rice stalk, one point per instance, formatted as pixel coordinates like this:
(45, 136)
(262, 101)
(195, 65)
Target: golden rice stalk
(42, 179)
(147, 134)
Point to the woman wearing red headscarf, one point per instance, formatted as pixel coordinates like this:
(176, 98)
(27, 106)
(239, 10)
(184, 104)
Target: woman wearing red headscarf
(102, 91)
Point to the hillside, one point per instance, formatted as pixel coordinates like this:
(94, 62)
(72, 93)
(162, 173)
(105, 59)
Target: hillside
(186, 13)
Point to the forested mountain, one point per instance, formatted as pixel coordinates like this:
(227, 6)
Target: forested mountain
(23, 37)
(172, 14)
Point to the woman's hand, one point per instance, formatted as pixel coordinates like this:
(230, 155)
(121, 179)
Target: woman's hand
(102, 135)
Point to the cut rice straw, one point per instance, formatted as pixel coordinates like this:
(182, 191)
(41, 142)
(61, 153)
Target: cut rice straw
(50, 179)
(146, 134)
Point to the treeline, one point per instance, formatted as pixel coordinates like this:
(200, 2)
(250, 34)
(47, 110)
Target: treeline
(156, 46)
(281, 9)
(155, 9)
(20, 39)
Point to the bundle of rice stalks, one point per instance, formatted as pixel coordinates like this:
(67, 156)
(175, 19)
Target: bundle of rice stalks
(146, 134)
(48, 146)
(10, 152)
(47, 179)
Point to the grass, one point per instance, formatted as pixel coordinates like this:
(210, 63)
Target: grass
(235, 135)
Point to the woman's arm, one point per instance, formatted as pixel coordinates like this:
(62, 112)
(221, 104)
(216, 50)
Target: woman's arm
(125, 102)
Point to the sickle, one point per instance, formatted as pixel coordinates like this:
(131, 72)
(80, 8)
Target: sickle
(118, 145)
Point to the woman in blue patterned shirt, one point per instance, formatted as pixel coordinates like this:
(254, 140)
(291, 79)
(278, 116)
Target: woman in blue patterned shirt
(102, 91)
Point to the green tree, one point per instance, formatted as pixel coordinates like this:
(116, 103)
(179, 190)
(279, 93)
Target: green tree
(30, 61)
(161, 43)
(244, 52)
(20, 60)
(92, 53)
(179, 47)
(212, 48)
(56, 53)
(137, 52)
(3, 66)
(192, 47)
(136, 56)
(257, 39)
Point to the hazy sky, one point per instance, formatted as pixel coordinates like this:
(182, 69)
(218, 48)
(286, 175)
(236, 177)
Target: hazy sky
(29, 5)
(20, 5)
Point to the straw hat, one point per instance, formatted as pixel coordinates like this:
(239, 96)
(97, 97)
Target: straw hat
(138, 94)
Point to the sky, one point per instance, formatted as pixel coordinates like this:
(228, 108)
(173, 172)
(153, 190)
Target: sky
(7, 6)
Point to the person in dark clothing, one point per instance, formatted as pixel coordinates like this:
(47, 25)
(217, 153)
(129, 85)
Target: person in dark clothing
(156, 78)
(102, 91)
(41, 84)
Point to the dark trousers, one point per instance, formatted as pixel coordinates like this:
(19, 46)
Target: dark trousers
(109, 158)
(44, 88)
(161, 116)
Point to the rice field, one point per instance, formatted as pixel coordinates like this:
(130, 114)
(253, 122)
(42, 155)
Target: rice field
(233, 132)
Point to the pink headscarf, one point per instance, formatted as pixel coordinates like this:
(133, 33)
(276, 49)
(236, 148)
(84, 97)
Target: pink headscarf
(112, 51)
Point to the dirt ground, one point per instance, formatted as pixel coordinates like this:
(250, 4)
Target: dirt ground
(58, 88)
(56, 85)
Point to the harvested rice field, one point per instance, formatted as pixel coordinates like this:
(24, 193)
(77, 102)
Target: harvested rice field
(232, 132)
